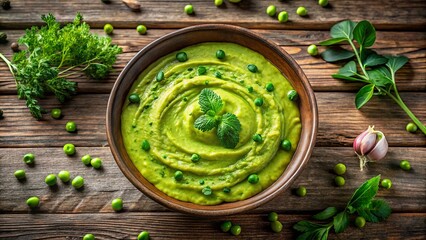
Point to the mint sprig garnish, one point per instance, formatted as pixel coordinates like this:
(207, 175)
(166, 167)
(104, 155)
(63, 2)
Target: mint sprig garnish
(228, 126)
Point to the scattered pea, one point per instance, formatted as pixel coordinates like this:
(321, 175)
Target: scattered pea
(323, 3)
(270, 87)
(292, 95)
(253, 178)
(360, 222)
(141, 29)
(160, 76)
(273, 216)
(64, 176)
(405, 165)
(386, 183)
(134, 98)
(96, 163)
(20, 174)
(71, 127)
(89, 236)
(117, 204)
(181, 57)
(226, 190)
(301, 11)
(201, 182)
(271, 10)
(29, 158)
(286, 145)
(144, 235)
(252, 68)
(77, 182)
(220, 54)
(276, 226)
(69, 149)
(411, 127)
(189, 9)
(258, 102)
(217, 74)
(108, 28)
(145, 145)
(50, 179)
(282, 17)
(236, 230)
(86, 159)
(226, 226)
(339, 181)
(33, 202)
(56, 113)
(201, 70)
(340, 169)
(301, 191)
(312, 50)
(195, 158)
(207, 191)
(250, 89)
(257, 137)
(218, 3)
(178, 175)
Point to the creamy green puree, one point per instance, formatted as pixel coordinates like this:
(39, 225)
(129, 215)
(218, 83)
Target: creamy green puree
(168, 108)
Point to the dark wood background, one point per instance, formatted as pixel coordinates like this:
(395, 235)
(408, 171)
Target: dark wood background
(68, 214)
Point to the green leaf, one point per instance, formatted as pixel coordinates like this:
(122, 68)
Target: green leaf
(341, 222)
(365, 34)
(343, 29)
(338, 76)
(349, 69)
(325, 214)
(376, 211)
(332, 41)
(209, 100)
(364, 194)
(318, 234)
(205, 123)
(380, 76)
(336, 54)
(306, 226)
(228, 130)
(374, 59)
(364, 95)
(396, 62)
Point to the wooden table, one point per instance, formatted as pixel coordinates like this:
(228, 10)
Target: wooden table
(68, 214)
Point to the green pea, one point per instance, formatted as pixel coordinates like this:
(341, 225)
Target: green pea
(271, 10)
(226, 190)
(201, 182)
(339, 181)
(195, 158)
(226, 226)
(96, 163)
(323, 3)
(89, 236)
(145, 145)
(69, 149)
(56, 113)
(20, 174)
(178, 175)
(286, 145)
(250, 89)
(340, 169)
(257, 137)
(217, 74)
(189, 9)
(258, 102)
(29, 158)
(276, 226)
(64, 176)
(301, 191)
(77, 182)
(71, 127)
(144, 235)
(411, 127)
(220, 54)
(134, 98)
(201, 70)
(236, 230)
(108, 28)
(386, 183)
(253, 178)
(282, 17)
(405, 165)
(218, 3)
(292, 95)
(301, 11)
(141, 29)
(207, 191)
(117, 204)
(86, 159)
(33, 202)
(252, 68)
(312, 50)
(273, 216)
(181, 57)
(360, 222)
(50, 179)
(269, 87)
(160, 76)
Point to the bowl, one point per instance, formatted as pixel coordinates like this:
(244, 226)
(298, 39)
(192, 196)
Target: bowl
(213, 33)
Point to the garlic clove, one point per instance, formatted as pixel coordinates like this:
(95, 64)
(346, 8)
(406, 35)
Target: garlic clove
(380, 149)
(357, 141)
(368, 143)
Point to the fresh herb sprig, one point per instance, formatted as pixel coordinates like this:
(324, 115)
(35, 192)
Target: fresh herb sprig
(228, 126)
(362, 203)
(52, 54)
(377, 71)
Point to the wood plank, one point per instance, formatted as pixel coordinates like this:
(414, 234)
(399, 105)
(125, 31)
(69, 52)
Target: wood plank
(176, 226)
(408, 192)
(410, 78)
(407, 15)
(339, 121)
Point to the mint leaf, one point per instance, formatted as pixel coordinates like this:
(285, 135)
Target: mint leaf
(306, 226)
(365, 34)
(332, 41)
(341, 222)
(318, 234)
(338, 76)
(364, 95)
(349, 69)
(228, 130)
(380, 76)
(336, 54)
(205, 123)
(364, 194)
(376, 211)
(374, 59)
(209, 100)
(343, 29)
(396, 62)
(325, 214)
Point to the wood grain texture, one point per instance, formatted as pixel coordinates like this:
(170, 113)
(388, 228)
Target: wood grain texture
(410, 78)
(408, 192)
(385, 14)
(339, 121)
(408, 226)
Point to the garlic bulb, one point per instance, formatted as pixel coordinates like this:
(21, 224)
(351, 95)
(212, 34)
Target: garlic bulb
(371, 145)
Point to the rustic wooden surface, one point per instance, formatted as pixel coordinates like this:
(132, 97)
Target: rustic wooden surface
(68, 214)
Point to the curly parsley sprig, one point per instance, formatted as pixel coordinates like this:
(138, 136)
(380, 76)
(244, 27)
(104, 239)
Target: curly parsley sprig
(52, 54)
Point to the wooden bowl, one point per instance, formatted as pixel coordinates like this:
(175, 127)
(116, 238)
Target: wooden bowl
(213, 33)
